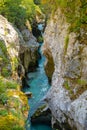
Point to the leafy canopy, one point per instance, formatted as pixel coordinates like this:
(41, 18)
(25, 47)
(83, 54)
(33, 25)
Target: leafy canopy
(18, 11)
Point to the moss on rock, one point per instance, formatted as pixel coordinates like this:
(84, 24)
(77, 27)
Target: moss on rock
(11, 122)
(39, 111)
(75, 87)
(14, 106)
(13, 103)
(5, 66)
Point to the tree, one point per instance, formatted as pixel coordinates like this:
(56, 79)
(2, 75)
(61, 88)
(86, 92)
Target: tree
(13, 11)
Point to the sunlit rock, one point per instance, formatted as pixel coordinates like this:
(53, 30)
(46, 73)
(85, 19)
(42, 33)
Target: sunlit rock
(67, 97)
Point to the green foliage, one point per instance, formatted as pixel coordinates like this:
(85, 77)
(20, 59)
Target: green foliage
(66, 43)
(5, 72)
(24, 108)
(14, 61)
(3, 98)
(31, 9)
(40, 39)
(82, 82)
(3, 112)
(3, 47)
(19, 11)
(10, 122)
(17, 127)
(2, 86)
(76, 13)
(74, 10)
(4, 60)
(3, 54)
(61, 3)
(11, 85)
(6, 84)
(16, 102)
(17, 114)
(66, 85)
(79, 85)
(37, 2)
(11, 103)
(13, 11)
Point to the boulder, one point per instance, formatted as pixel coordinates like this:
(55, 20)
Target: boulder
(28, 94)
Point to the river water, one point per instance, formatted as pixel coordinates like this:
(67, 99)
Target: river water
(39, 86)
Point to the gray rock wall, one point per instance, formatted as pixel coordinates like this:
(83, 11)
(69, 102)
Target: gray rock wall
(67, 97)
(29, 50)
(16, 48)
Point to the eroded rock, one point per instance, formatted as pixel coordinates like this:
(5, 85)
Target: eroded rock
(29, 51)
(67, 97)
(42, 115)
(13, 103)
(49, 64)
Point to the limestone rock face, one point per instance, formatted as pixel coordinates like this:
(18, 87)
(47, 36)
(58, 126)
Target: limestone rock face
(9, 47)
(49, 64)
(20, 48)
(67, 97)
(30, 54)
(13, 103)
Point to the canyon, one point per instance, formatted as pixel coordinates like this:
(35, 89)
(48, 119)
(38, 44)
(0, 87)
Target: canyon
(46, 58)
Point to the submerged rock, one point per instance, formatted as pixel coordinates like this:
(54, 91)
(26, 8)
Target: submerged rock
(67, 98)
(28, 94)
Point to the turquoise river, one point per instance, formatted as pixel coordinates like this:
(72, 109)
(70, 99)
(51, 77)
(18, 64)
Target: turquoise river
(39, 86)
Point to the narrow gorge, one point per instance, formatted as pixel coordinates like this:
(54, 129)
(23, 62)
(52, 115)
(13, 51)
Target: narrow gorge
(38, 86)
(43, 67)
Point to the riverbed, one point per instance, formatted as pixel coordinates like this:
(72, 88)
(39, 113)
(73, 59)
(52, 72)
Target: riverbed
(39, 86)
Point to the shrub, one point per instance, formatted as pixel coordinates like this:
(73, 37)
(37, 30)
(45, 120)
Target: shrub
(66, 43)
(10, 122)
(3, 98)
(18, 12)
(74, 10)
(3, 112)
